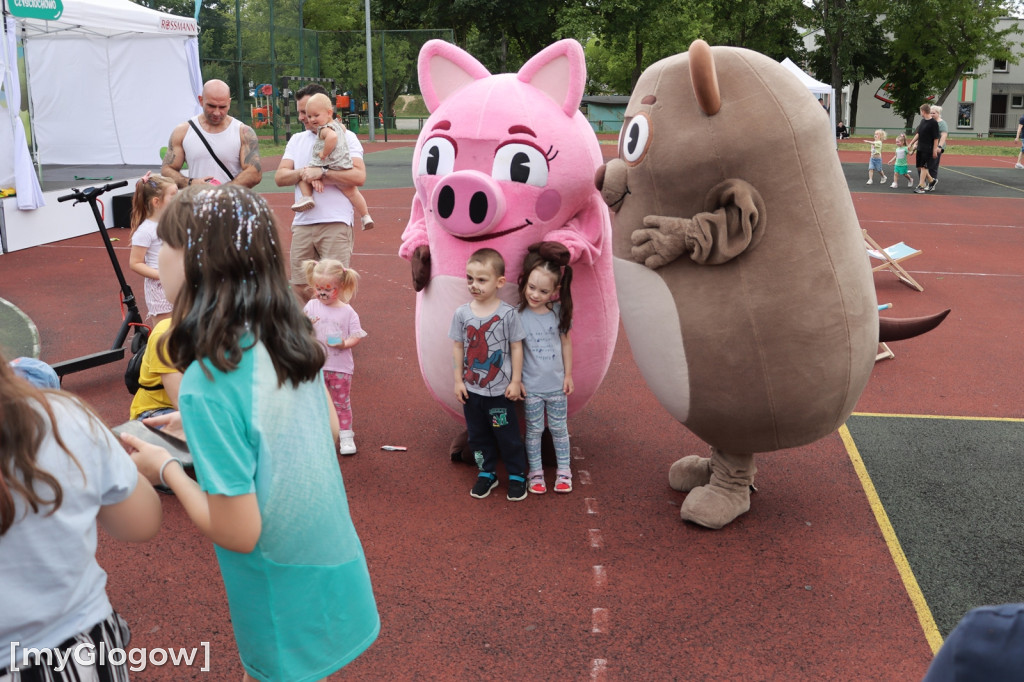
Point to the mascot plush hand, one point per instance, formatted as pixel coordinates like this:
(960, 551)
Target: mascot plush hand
(740, 266)
(506, 161)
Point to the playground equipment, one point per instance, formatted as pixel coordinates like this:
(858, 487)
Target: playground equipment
(132, 318)
(288, 86)
(262, 111)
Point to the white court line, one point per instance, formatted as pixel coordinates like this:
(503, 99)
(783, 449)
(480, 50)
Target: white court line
(929, 223)
(600, 576)
(599, 620)
(964, 274)
(591, 506)
(596, 540)
(598, 667)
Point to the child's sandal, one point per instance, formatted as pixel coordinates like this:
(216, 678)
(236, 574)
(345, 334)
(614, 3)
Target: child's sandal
(535, 484)
(563, 484)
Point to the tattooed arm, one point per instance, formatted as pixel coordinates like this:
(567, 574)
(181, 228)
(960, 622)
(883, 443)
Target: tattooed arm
(174, 158)
(249, 157)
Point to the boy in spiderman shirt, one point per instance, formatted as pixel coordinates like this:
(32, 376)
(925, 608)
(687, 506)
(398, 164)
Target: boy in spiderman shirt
(487, 358)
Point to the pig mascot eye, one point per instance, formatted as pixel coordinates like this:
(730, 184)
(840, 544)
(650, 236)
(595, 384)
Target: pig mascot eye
(520, 163)
(437, 157)
(635, 139)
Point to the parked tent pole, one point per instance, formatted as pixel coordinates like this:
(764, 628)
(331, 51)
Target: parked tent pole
(240, 90)
(384, 86)
(32, 119)
(369, 69)
(302, 25)
(272, 101)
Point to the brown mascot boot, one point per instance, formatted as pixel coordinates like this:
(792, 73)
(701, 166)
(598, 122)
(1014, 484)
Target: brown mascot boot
(689, 473)
(727, 495)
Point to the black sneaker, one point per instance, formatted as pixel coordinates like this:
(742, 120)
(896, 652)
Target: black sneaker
(931, 185)
(485, 483)
(516, 488)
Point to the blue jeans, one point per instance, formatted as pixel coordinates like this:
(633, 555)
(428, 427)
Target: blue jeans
(156, 413)
(556, 405)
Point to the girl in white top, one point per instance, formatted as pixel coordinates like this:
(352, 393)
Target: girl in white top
(55, 483)
(152, 192)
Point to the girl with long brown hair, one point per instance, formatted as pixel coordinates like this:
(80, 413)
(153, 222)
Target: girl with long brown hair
(259, 425)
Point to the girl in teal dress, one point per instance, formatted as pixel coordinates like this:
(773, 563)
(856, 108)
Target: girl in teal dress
(259, 423)
(899, 161)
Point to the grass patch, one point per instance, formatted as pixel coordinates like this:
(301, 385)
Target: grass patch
(412, 106)
(1008, 149)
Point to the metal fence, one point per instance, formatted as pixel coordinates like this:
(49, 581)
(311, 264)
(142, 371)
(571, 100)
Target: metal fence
(264, 63)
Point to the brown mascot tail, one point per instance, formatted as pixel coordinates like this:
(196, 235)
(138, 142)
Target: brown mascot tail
(907, 328)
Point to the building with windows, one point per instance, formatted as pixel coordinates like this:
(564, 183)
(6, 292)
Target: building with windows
(986, 103)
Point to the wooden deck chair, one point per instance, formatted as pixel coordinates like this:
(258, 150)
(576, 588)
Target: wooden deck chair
(884, 352)
(891, 257)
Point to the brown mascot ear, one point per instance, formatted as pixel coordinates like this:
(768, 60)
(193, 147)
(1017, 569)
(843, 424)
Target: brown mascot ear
(733, 222)
(704, 78)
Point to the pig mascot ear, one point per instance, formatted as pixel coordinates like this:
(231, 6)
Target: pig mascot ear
(443, 69)
(559, 71)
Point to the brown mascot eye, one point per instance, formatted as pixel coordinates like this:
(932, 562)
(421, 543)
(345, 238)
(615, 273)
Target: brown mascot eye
(635, 139)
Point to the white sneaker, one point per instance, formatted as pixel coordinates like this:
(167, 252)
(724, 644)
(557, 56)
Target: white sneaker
(367, 222)
(910, 181)
(1018, 166)
(893, 185)
(870, 182)
(883, 178)
(348, 443)
(304, 204)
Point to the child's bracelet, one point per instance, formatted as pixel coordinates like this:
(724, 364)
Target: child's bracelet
(164, 466)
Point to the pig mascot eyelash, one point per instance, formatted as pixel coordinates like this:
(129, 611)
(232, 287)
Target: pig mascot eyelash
(505, 161)
(740, 266)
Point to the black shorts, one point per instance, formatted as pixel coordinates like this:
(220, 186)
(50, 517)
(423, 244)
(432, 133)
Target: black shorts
(110, 633)
(924, 157)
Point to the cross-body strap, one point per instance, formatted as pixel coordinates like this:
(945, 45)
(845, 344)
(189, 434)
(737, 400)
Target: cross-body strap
(210, 149)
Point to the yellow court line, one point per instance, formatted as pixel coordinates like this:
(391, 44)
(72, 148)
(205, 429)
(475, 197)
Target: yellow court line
(924, 614)
(1013, 420)
(991, 182)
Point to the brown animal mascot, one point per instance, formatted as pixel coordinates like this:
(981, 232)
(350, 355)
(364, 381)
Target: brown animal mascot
(742, 277)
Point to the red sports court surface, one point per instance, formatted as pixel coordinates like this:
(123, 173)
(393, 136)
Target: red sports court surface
(605, 583)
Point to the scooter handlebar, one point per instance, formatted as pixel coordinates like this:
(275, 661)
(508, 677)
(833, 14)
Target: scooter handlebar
(84, 194)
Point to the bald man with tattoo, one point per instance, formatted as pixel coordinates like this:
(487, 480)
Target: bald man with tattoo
(233, 142)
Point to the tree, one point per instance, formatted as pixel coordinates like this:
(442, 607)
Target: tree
(767, 26)
(935, 42)
(850, 48)
(624, 37)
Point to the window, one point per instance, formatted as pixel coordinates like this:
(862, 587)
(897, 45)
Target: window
(1017, 101)
(1000, 66)
(965, 115)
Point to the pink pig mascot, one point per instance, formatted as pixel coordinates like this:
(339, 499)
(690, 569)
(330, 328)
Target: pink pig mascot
(505, 161)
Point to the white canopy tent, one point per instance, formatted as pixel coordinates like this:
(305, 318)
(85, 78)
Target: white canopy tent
(815, 86)
(107, 82)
